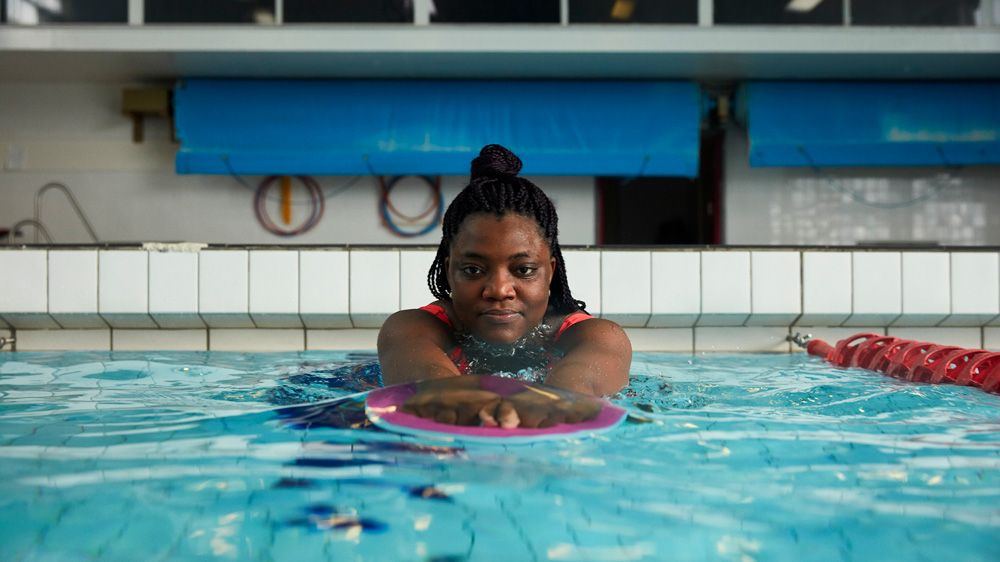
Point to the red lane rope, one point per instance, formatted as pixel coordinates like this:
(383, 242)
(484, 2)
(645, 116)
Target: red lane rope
(913, 360)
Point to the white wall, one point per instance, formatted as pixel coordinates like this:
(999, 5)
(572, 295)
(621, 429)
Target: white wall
(766, 206)
(74, 133)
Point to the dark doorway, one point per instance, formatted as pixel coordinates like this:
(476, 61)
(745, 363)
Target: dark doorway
(665, 210)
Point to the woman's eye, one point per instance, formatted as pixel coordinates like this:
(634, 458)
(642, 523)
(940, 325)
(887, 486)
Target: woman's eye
(526, 270)
(471, 270)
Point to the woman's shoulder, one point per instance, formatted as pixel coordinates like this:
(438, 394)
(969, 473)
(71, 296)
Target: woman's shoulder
(433, 315)
(579, 327)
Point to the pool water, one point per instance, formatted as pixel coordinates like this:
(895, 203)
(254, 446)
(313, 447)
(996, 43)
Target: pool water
(179, 456)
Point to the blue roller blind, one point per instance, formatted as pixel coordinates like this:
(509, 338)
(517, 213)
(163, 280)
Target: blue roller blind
(824, 124)
(348, 127)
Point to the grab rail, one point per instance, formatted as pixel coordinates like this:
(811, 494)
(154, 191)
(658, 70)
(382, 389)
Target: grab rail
(73, 202)
(39, 227)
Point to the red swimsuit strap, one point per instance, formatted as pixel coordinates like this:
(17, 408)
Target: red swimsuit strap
(438, 311)
(572, 318)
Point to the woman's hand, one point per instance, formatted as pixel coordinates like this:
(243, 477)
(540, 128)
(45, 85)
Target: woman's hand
(544, 407)
(460, 401)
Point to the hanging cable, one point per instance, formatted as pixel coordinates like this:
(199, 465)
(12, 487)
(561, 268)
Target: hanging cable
(327, 194)
(390, 214)
(315, 196)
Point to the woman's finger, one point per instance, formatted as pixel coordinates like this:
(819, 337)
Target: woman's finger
(551, 420)
(446, 416)
(486, 414)
(468, 412)
(506, 415)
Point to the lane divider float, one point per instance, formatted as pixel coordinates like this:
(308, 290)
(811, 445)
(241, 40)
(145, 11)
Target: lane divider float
(910, 360)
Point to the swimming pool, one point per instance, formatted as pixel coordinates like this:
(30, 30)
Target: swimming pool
(170, 456)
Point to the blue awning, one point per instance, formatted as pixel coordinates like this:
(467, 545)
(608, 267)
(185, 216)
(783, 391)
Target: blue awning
(349, 127)
(823, 124)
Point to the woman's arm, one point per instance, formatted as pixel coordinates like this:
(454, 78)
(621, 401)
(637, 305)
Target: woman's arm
(412, 346)
(596, 360)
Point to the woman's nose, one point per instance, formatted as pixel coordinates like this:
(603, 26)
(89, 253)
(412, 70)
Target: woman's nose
(499, 286)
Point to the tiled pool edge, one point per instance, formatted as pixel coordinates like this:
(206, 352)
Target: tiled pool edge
(678, 340)
(277, 299)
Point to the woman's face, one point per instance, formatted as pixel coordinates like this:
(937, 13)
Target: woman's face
(499, 270)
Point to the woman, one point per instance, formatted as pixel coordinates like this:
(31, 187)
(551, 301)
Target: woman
(504, 305)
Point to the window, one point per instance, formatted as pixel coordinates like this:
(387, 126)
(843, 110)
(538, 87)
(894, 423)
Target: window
(780, 12)
(34, 12)
(495, 11)
(633, 11)
(215, 11)
(361, 11)
(915, 12)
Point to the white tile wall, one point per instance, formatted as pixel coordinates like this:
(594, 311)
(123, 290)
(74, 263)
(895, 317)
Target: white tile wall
(661, 339)
(274, 289)
(826, 288)
(413, 289)
(926, 288)
(123, 288)
(24, 289)
(626, 296)
(73, 289)
(975, 288)
(224, 288)
(350, 339)
(159, 340)
(64, 340)
(991, 339)
(173, 289)
(963, 337)
(659, 289)
(374, 286)
(775, 288)
(256, 339)
(676, 284)
(755, 339)
(583, 270)
(876, 288)
(725, 288)
(324, 288)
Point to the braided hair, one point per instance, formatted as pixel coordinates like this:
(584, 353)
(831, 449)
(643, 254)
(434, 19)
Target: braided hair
(496, 188)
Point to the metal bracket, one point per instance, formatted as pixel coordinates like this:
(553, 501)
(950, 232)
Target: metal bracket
(799, 339)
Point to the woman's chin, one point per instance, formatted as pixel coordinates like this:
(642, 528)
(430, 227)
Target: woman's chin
(499, 337)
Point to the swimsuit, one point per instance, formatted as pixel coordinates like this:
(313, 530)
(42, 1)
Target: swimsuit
(458, 356)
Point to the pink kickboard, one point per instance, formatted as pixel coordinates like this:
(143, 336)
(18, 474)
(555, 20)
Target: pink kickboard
(383, 409)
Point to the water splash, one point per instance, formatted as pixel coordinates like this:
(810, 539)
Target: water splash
(528, 358)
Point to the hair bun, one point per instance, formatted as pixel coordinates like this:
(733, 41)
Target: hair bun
(495, 161)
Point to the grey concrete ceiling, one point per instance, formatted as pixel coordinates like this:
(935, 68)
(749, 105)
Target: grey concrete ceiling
(149, 53)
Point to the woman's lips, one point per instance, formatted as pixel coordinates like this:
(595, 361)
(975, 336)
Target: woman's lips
(502, 316)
